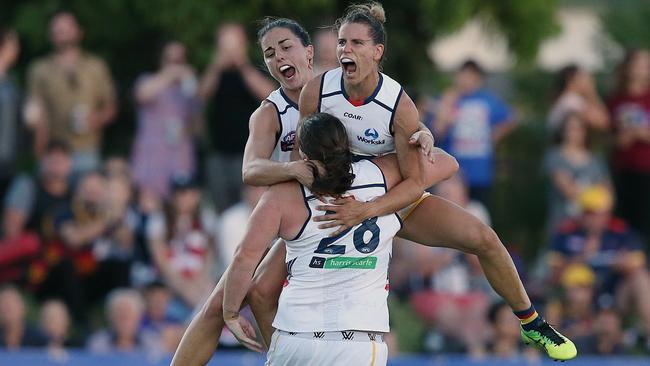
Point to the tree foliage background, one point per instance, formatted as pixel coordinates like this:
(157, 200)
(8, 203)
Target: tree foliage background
(129, 33)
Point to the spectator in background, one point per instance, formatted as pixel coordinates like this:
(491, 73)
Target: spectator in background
(232, 89)
(124, 310)
(574, 309)
(181, 242)
(232, 224)
(572, 168)
(9, 108)
(30, 208)
(325, 43)
(470, 121)
(71, 95)
(630, 109)
(55, 327)
(157, 320)
(15, 333)
(505, 341)
(444, 285)
(607, 336)
(168, 115)
(576, 94)
(611, 249)
(96, 236)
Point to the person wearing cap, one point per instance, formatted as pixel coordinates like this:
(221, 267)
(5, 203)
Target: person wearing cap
(609, 248)
(180, 239)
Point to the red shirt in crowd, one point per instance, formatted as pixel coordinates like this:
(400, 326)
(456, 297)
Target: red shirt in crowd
(628, 111)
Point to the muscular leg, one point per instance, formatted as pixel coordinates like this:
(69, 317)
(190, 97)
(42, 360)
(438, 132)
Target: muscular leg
(438, 222)
(202, 335)
(267, 285)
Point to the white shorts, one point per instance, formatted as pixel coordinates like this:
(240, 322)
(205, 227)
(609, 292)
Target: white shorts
(327, 349)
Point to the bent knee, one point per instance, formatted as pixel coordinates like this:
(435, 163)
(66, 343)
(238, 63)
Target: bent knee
(485, 240)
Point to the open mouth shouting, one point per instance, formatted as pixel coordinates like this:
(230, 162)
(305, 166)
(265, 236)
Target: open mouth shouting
(288, 71)
(349, 66)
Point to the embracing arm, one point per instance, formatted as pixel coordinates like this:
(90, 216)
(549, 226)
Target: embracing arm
(258, 168)
(410, 189)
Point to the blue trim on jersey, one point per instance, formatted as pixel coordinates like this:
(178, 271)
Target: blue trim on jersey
(383, 105)
(332, 94)
(320, 91)
(401, 223)
(357, 158)
(383, 185)
(367, 100)
(382, 175)
(289, 101)
(277, 110)
(392, 116)
(302, 189)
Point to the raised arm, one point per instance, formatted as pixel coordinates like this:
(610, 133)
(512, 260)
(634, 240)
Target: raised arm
(258, 168)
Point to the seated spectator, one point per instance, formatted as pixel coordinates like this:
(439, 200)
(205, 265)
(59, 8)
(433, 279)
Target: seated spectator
(574, 310)
(15, 333)
(181, 242)
(157, 319)
(505, 341)
(576, 94)
(55, 327)
(97, 235)
(30, 208)
(611, 249)
(124, 310)
(572, 168)
(168, 107)
(607, 335)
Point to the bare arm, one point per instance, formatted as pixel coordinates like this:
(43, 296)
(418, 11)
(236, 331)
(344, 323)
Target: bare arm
(410, 189)
(444, 113)
(256, 81)
(76, 235)
(147, 90)
(503, 130)
(210, 81)
(258, 168)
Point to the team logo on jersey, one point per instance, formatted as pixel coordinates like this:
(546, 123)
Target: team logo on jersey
(371, 136)
(286, 144)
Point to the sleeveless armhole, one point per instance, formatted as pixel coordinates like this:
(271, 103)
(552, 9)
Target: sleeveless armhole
(277, 112)
(305, 200)
(320, 91)
(391, 128)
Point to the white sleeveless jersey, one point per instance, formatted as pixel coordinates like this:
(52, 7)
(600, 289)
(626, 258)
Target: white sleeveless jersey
(288, 117)
(340, 283)
(370, 125)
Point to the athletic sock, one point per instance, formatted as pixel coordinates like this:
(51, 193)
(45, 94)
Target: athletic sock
(529, 318)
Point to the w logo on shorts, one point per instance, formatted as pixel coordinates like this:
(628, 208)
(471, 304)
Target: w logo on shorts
(319, 335)
(372, 336)
(348, 336)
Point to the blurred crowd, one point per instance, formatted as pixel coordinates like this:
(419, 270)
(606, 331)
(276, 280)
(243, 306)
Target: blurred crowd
(114, 253)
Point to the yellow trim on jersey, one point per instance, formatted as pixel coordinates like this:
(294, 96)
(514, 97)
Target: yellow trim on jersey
(405, 213)
(372, 360)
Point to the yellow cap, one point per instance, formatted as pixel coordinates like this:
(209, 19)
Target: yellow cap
(578, 274)
(595, 199)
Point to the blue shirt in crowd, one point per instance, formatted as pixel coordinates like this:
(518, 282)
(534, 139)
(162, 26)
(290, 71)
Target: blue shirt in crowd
(469, 139)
